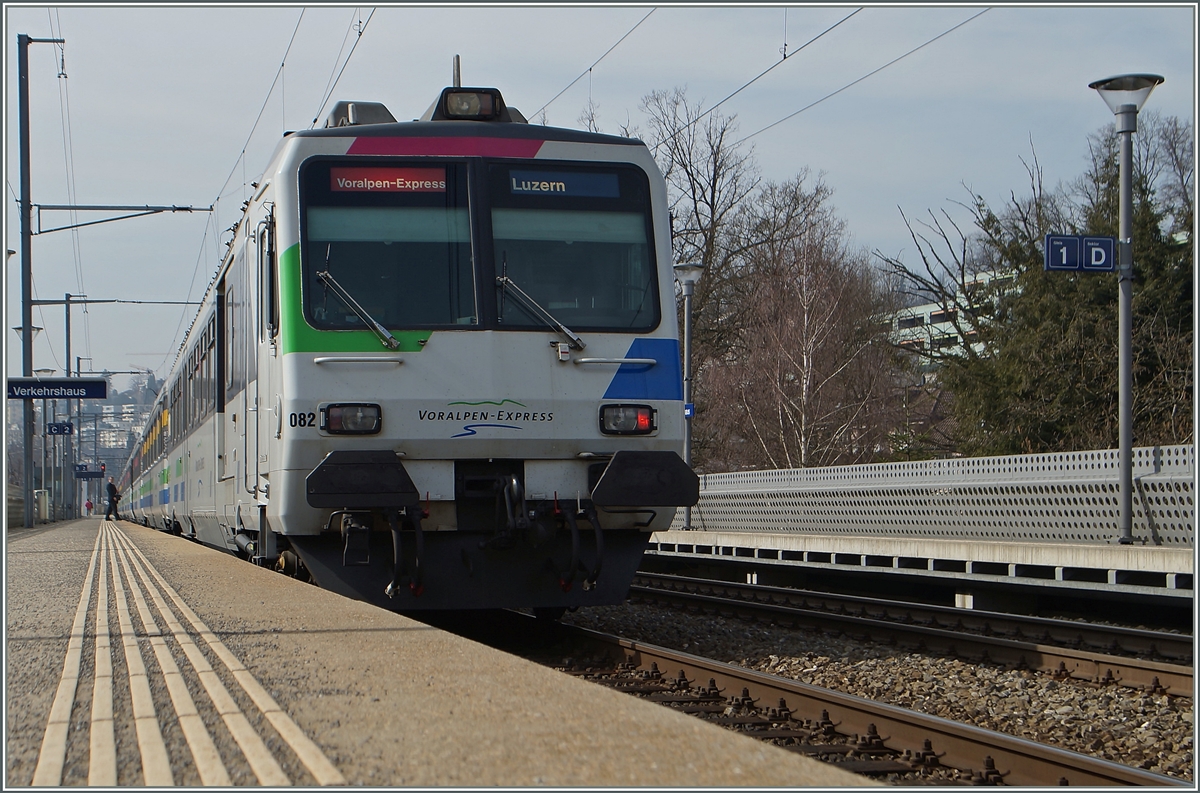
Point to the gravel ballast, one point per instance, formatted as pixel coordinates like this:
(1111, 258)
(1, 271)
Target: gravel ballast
(1115, 723)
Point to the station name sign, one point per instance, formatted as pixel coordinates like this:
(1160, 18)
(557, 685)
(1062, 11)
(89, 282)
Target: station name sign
(56, 388)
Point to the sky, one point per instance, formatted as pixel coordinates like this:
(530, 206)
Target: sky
(182, 106)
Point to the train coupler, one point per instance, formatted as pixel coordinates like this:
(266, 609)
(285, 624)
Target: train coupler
(589, 583)
(516, 515)
(393, 588)
(567, 579)
(416, 584)
(356, 541)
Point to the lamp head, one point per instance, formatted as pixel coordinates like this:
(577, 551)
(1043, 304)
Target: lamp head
(688, 273)
(1126, 89)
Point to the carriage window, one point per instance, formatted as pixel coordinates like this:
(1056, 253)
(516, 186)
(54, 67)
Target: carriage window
(396, 238)
(578, 240)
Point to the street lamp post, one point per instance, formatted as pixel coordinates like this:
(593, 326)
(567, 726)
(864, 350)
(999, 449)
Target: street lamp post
(1125, 94)
(687, 274)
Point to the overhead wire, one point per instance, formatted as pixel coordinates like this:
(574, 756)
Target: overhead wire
(191, 285)
(208, 228)
(267, 99)
(45, 324)
(864, 77)
(783, 51)
(769, 69)
(330, 89)
(338, 59)
(588, 70)
(64, 101)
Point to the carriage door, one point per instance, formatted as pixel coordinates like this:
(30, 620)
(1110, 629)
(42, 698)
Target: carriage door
(269, 403)
(233, 432)
(248, 265)
(226, 465)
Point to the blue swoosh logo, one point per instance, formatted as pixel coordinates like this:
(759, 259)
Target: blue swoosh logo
(470, 429)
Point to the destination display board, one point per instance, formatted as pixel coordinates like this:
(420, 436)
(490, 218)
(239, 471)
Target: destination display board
(388, 180)
(568, 183)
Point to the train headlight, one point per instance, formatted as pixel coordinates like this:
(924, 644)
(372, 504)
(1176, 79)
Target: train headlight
(628, 419)
(351, 419)
(473, 104)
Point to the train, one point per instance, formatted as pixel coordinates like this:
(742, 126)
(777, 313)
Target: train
(438, 366)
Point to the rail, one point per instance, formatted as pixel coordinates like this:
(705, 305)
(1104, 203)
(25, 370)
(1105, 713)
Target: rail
(1036, 498)
(984, 757)
(1063, 648)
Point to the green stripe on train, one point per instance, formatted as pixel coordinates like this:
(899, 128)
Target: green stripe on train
(298, 336)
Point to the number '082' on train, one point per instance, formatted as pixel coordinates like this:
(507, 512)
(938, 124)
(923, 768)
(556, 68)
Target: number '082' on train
(438, 367)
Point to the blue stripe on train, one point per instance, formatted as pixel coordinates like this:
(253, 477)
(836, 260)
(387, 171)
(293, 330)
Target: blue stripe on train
(639, 381)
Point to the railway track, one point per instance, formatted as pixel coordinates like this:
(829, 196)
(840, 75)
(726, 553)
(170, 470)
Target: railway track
(893, 744)
(866, 737)
(1148, 660)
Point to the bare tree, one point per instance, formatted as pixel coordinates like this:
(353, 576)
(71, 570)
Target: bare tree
(708, 176)
(791, 368)
(965, 272)
(810, 381)
(589, 117)
(1165, 154)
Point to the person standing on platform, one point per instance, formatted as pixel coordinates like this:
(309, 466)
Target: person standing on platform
(113, 498)
(88, 506)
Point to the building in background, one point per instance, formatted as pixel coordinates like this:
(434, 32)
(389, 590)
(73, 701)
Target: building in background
(929, 333)
(929, 330)
(105, 432)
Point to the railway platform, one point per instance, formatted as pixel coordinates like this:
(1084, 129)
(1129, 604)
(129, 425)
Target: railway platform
(140, 658)
(1131, 569)
(981, 571)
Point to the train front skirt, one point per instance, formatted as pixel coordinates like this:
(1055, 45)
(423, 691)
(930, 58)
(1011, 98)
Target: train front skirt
(519, 553)
(466, 570)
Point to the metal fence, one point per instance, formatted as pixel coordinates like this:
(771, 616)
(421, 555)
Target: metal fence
(1051, 498)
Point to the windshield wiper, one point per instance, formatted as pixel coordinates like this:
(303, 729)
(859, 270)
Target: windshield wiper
(535, 308)
(387, 338)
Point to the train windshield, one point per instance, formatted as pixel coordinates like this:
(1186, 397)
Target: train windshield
(397, 239)
(577, 239)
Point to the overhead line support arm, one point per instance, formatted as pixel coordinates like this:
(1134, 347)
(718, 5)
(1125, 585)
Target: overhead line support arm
(139, 211)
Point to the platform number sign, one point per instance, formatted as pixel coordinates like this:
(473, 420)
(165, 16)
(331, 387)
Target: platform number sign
(1080, 254)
